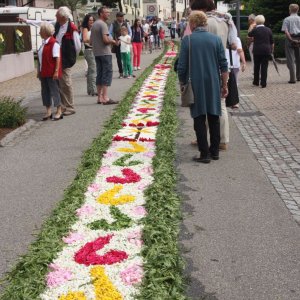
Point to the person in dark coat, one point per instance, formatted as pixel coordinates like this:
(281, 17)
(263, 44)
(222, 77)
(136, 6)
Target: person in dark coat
(208, 61)
(263, 47)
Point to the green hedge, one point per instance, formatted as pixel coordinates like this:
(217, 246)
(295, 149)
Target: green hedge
(12, 114)
(278, 40)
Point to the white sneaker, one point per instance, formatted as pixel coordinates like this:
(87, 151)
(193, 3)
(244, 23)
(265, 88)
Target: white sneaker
(138, 68)
(135, 68)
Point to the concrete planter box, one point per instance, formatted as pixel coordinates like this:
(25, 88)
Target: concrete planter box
(15, 65)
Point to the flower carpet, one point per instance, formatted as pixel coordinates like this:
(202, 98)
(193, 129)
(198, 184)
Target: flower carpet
(102, 257)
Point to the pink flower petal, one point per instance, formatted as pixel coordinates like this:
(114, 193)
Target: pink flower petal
(58, 277)
(139, 211)
(93, 187)
(132, 274)
(85, 210)
(73, 237)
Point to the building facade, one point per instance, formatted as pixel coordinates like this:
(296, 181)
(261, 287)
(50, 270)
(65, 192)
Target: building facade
(132, 8)
(35, 3)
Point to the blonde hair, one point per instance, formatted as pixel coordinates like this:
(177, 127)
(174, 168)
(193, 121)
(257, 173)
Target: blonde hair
(47, 28)
(259, 20)
(198, 19)
(293, 8)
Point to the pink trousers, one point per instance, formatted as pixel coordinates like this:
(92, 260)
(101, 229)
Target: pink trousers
(137, 50)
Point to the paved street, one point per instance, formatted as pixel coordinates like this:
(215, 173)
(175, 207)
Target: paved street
(240, 231)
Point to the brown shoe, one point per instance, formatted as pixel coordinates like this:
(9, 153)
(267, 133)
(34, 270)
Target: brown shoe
(223, 146)
(68, 112)
(110, 101)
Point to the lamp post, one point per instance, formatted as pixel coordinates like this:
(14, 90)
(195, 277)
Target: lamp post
(238, 15)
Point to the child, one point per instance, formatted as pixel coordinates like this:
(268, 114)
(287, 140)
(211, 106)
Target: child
(161, 34)
(237, 56)
(125, 41)
(49, 70)
(151, 41)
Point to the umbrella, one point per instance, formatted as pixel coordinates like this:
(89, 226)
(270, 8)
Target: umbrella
(274, 63)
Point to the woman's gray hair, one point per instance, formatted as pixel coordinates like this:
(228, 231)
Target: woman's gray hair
(64, 12)
(259, 20)
(47, 28)
(251, 17)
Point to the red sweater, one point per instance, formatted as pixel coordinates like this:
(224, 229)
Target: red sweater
(48, 61)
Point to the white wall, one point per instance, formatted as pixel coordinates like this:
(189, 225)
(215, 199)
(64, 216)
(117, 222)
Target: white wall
(44, 3)
(16, 65)
(164, 9)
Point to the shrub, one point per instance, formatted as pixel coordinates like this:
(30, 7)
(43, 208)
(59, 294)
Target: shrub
(12, 114)
(278, 40)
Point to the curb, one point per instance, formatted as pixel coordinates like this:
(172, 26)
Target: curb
(17, 132)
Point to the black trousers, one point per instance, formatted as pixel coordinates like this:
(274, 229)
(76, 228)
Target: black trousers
(119, 61)
(261, 63)
(201, 133)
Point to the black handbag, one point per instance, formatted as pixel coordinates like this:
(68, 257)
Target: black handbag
(233, 93)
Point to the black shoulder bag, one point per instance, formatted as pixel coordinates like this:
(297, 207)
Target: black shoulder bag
(233, 93)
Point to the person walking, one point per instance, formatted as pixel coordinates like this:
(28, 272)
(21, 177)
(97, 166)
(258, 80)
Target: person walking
(101, 42)
(161, 34)
(125, 41)
(221, 25)
(291, 28)
(252, 24)
(115, 33)
(173, 28)
(146, 29)
(211, 61)
(87, 24)
(137, 43)
(49, 71)
(263, 47)
(67, 36)
(154, 32)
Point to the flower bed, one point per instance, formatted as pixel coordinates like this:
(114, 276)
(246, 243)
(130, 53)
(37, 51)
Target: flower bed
(102, 253)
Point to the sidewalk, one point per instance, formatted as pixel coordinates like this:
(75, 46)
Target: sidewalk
(240, 235)
(42, 162)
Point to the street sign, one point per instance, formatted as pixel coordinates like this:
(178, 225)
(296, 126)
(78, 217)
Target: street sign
(151, 10)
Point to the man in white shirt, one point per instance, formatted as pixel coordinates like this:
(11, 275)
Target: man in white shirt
(67, 36)
(146, 29)
(291, 28)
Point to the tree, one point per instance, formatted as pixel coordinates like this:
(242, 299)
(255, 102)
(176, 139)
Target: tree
(273, 10)
(113, 4)
(72, 4)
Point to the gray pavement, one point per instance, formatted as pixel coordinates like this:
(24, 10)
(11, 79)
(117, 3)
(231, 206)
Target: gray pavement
(239, 237)
(37, 166)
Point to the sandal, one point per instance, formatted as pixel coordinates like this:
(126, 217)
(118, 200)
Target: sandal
(110, 101)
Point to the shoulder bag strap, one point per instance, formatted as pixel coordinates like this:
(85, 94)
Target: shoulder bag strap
(230, 57)
(190, 50)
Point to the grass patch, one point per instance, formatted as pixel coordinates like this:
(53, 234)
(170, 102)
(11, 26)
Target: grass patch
(12, 114)
(26, 281)
(163, 264)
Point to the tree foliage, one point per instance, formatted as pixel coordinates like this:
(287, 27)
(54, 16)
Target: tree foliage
(72, 4)
(273, 10)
